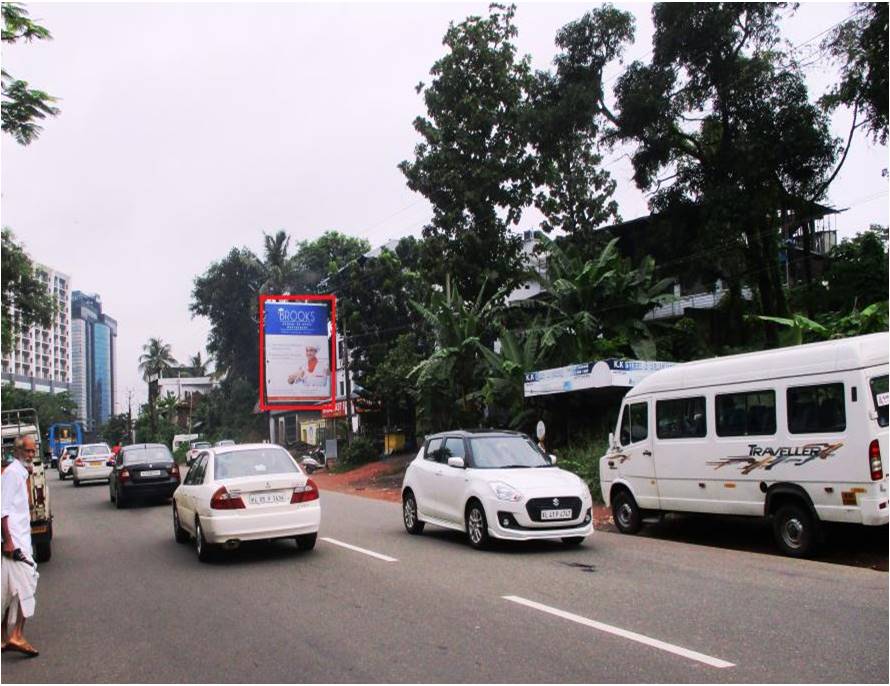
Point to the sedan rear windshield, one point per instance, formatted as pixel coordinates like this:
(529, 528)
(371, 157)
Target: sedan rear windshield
(505, 452)
(147, 455)
(879, 393)
(263, 462)
(88, 450)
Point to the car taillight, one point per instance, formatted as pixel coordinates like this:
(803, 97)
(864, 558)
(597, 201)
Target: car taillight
(874, 461)
(223, 500)
(123, 475)
(303, 494)
(79, 462)
(174, 471)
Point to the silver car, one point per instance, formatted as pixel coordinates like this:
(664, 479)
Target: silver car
(94, 462)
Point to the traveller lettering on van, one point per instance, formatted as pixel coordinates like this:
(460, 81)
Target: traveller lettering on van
(766, 458)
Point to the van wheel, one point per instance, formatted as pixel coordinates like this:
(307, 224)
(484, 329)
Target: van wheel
(626, 513)
(795, 530)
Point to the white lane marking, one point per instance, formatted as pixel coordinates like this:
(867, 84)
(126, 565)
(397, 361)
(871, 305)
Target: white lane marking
(624, 633)
(385, 558)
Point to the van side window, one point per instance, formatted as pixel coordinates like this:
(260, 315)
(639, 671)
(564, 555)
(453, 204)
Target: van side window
(680, 418)
(816, 409)
(879, 393)
(432, 450)
(634, 423)
(746, 414)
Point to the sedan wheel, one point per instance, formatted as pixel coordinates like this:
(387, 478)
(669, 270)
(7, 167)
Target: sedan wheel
(477, 526)
(180, 534)
(201, 546)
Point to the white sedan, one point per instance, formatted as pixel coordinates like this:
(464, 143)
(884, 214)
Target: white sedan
(245, 493)
(494, 484)
(94, 462)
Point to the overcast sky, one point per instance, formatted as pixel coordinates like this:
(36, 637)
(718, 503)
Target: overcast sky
(189, 129)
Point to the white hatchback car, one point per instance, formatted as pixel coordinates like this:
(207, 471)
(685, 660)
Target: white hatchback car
(66, 461)
(494, 484)
(245, 493)
(94, 462)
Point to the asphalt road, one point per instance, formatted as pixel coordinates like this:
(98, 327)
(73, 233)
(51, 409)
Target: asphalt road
(121, 602)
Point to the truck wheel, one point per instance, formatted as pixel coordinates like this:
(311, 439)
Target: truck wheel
(796, 530)
(626, 513)
(43, 551)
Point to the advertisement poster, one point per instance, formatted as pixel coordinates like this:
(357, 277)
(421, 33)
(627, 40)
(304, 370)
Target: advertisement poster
(296, 351)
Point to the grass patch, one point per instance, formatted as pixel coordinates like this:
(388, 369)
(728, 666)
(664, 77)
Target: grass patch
(582, 457)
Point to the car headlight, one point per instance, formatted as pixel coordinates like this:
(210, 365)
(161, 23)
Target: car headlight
(505, 492)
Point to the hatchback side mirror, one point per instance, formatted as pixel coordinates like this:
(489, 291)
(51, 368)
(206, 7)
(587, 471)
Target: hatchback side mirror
(552, 459)
(457, 462)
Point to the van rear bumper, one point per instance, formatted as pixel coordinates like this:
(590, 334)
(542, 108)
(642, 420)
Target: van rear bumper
(875, 511)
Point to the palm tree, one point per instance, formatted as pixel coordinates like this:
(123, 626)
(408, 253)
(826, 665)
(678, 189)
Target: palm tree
(278, 266)
(156, 358)
(198, 364)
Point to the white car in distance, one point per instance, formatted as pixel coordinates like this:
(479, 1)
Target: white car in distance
(195, 447)
(245, 493)
(94, 462)
(494, 484)
(66, 461)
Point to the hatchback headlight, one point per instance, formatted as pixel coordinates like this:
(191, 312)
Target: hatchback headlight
(505, 492)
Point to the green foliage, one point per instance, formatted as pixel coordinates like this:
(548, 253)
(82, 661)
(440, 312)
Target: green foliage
(799, 329)
(51, 407)
(179, 453)
(504, 374)
(226, 411)
(360, 452)
(156, 357)
(21, 288)
(116, 430)
(857, 272)
(23, 107)
(582, 457)
(860, 47)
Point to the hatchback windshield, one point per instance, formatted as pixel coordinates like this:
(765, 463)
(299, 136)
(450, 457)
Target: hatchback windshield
(506, 452)
(89, 450)
(140, 456)
(261, 462)
(879, 392)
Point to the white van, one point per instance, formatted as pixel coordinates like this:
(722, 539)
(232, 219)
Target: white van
(794, 434)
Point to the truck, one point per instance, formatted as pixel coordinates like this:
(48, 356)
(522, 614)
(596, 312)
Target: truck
(59, 437)
(24, 422)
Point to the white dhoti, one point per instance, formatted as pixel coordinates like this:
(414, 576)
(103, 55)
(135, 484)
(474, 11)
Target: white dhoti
(19, 588)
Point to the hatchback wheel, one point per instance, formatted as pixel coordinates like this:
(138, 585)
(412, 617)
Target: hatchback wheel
(477, 526)
(409, 514)
(180, 534)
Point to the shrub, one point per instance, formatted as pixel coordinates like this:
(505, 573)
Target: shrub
(361, 451)
(583, 458)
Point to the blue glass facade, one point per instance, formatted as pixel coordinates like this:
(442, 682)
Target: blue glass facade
(102, 378)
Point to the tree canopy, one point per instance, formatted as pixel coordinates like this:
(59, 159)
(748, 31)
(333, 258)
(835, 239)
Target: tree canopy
(22, 289)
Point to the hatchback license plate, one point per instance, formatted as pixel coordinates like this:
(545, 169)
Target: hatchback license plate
(96, 465)
(151, 472)
(267, 498)
(556, 514)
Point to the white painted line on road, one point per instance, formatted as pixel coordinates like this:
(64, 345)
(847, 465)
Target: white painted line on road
(624, 633)
(385, 558)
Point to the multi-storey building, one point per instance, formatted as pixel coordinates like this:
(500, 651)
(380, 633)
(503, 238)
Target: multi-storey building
(41, 358)
(93, 359)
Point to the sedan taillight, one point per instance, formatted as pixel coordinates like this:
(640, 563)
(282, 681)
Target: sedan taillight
(174, 471)
(223, 500)
(124, 475)
(303, 494)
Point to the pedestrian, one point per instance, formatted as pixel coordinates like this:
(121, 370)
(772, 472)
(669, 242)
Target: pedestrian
(18, 569)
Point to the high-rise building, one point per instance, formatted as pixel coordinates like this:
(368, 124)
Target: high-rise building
(41, 358)
(93, 359)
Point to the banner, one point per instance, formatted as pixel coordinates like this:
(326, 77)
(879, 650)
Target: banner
(608, 373)
(295, 345)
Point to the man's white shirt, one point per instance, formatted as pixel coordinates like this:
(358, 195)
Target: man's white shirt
(15, 506)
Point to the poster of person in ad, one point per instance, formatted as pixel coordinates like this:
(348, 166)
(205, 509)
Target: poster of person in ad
(297, 352)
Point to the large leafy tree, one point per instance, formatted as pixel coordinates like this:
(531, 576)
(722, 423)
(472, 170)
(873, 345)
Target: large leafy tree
(860, 46)
(51, 407)
(324, 257)
(473, 163)
(722, 122)
(21, 288)
(23, 107)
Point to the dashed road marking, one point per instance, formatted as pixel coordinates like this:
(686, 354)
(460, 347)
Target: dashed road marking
(379, 556)
(623, 633)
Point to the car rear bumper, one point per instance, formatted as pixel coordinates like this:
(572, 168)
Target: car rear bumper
(132, 489)
(874, 511)
(244, 526)
(92, 474)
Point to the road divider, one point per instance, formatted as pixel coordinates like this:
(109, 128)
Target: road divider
(363, 551)
(623, 633)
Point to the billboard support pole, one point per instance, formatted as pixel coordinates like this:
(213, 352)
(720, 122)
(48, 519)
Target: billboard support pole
(348, 383)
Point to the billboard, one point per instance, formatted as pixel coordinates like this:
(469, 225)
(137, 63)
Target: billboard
(297, 360)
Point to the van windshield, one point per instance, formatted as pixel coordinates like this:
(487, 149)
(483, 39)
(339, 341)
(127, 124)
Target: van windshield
(880, 395)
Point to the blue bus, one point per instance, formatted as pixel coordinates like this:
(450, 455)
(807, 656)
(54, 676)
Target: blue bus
(62, 434)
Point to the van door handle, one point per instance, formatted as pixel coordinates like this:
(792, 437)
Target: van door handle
(647, 453)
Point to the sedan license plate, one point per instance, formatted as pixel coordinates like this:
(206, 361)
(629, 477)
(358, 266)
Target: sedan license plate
(556, 514)
(267, 498)
(151, 472)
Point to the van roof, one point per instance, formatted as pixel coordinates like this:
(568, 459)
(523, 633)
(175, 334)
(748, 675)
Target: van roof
(813, 358)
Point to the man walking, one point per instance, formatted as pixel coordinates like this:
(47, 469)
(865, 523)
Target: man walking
(18, 569)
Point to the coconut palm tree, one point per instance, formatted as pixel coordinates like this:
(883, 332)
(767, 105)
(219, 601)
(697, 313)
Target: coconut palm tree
(278, 266)
(198, 364)
(155, 358)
